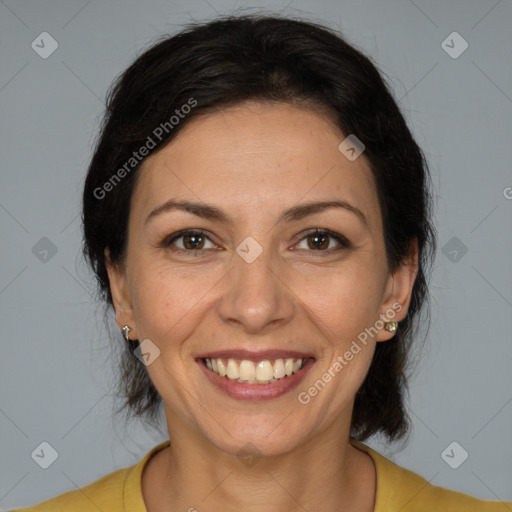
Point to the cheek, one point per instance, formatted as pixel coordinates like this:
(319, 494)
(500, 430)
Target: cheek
(166, 301)
(343, 314)
(167, 304)
(345, 306)
(345, 300)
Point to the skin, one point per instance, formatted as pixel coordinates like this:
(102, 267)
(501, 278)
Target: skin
(253, 161)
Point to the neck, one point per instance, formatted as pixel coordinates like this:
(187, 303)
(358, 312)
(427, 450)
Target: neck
(192, 474)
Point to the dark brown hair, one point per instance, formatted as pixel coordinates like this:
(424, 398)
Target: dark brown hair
(234, 59)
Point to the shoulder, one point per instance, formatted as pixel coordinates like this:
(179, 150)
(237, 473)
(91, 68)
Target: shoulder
(114, 492)
(401, 489)
(105, 491)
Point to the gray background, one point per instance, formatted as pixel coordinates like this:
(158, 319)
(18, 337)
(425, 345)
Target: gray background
(56, 361)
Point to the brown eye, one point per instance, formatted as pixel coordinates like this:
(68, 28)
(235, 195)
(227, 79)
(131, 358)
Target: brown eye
(189, 241)
(323, 241)
(318, 241)
(193, 241)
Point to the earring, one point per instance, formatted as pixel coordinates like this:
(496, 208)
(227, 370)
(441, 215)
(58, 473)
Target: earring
(391, 326)
(126, 331)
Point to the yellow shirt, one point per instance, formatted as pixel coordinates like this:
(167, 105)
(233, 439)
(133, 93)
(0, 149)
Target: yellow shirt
(398, 489)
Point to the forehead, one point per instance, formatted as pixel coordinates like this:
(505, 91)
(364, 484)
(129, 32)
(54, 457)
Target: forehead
(257, 156)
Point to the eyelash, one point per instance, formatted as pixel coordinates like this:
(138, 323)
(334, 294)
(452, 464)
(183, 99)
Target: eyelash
(343, 242)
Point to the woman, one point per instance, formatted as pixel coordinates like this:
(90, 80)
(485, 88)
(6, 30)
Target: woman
(258, 214)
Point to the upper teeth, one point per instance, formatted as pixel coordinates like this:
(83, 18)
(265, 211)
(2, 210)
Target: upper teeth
(249, 372)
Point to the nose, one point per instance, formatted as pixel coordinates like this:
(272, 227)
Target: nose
(257, 297)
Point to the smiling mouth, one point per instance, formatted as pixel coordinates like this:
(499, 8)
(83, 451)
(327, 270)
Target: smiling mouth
(244, 371)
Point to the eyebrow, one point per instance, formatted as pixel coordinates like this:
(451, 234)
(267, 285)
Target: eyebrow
(295, 213)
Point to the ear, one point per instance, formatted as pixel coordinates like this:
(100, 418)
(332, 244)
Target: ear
(120, 295)
(398, 292)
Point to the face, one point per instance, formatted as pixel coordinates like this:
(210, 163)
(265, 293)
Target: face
(252, 241)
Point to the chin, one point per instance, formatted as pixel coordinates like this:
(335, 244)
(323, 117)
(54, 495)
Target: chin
(264, 440)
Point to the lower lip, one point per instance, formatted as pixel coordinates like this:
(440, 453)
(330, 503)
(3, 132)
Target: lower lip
(256, 392)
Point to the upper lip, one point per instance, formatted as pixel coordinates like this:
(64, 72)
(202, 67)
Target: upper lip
(254, 355)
